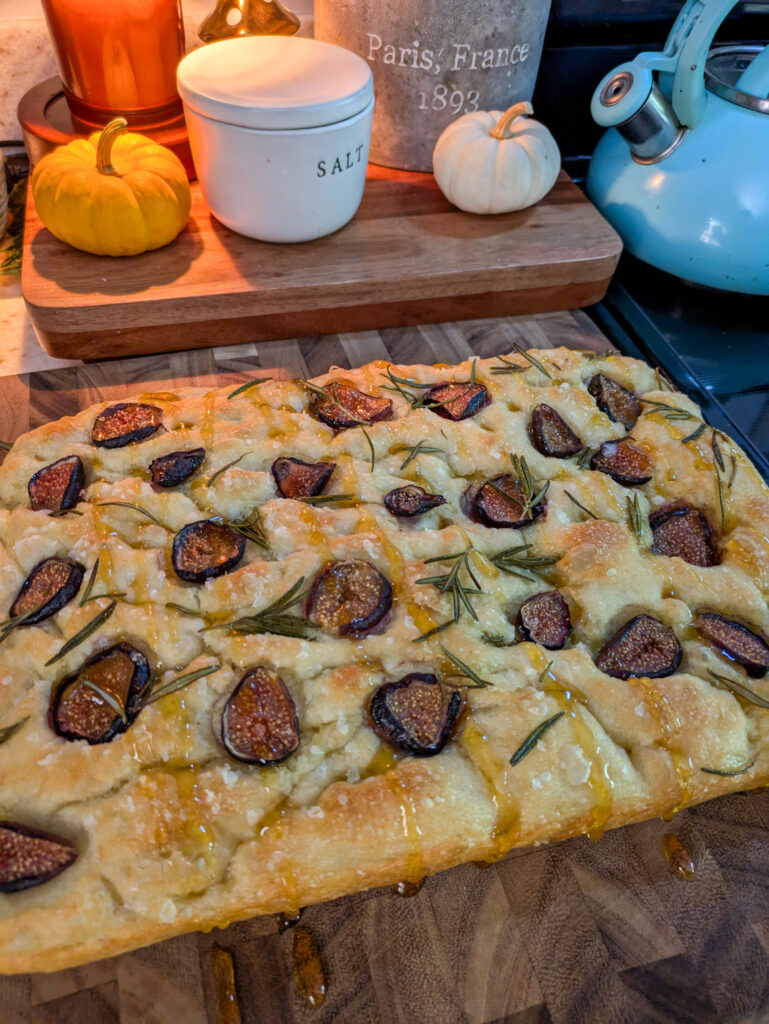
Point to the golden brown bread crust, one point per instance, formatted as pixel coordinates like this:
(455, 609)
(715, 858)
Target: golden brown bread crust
(175, 835)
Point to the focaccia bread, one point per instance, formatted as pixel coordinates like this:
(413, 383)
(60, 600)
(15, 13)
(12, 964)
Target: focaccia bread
(264, 647)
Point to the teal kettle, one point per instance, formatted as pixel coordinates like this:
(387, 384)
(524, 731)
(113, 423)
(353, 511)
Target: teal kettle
(682, 173)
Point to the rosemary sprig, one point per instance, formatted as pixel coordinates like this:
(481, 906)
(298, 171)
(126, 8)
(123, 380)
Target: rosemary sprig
(451, 582)
(90, 583)
(84, 633)
(672, 412)
(584, 457)
(109, 700)
(733, 474)
(662, 380)
(109, 593)
(512, 560)
(697, 432)
(420, 448)
(184, 611)
(719, 467)
(223, 469)
(509, 367)
(157, 693)
(545, 671)
(328, 499)
(724, 774)
(11, 730)
(399, 385)
(601, 355)
(136, 508)
(433, 631)
(7, 627)
(522, 474)
(579, 504)
(370, 447)
(495, 640)
(253, 529)
(247, 386)
(64, 512)
(273, 619)
(465, 670)
(740, 689)
(636, 518)
(6, 446)
(717, 456)
(534, 737)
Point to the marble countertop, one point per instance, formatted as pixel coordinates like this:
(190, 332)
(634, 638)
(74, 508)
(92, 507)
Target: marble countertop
(20, 351)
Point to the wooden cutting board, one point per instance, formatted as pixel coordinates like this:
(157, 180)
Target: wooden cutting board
(408, 257)
(575, 933)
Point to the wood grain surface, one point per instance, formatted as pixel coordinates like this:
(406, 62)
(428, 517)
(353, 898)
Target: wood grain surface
(569, 933)
(408, 257)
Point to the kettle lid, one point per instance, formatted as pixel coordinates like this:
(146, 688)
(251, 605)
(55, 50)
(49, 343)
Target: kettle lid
(740, 75)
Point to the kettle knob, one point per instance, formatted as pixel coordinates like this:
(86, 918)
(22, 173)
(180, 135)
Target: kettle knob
(629, 100)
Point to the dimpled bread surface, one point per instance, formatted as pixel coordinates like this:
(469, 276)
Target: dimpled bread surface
(175, 835)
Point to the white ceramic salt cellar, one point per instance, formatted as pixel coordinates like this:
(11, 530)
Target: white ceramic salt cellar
(279, 129)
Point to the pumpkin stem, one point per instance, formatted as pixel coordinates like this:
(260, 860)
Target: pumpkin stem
(104, 146)
(503, 129)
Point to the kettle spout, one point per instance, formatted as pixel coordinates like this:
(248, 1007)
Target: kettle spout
(629, 100)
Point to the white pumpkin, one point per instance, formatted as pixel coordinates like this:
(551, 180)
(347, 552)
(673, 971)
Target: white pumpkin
(490, 162)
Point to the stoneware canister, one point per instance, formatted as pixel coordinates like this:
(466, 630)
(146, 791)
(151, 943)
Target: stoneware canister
(434, 60)
(279, 128)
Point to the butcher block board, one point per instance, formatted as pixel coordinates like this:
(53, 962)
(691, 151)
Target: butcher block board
(579, 932)
(408, 257)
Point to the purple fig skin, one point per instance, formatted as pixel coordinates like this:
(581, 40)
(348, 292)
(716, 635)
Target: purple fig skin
(57, 487)
(735, 641)
(51, 584)
(415, 715)
(347, 407)
(259, 721)
(206, 549)
(684, 531)
(624, 462)
(297, 479)
(551, 435)
(31, 857)
(173, 469)
(125, 423)
(544, 619)
(619, 404)
(642, 647)
(506, 510)
(456, 401)
(411, 500)
(349, 598)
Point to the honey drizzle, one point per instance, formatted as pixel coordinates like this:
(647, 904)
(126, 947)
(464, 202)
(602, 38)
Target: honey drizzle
(208, 422)
(678, 857)
(199, 836)
(493, 768)
(415, 870)
(273, 821)
(308, 968)
(407, 889)
(569, 701)
(659, 708)
(227, 1005)
(367, 524)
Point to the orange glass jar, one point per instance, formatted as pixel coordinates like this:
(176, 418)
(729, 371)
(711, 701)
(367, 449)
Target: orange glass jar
(118, 57)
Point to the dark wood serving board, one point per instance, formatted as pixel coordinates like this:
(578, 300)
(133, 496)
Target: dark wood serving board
(407, 257)
(574, 933)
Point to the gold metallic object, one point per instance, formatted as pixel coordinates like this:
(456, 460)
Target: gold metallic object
(233, 18)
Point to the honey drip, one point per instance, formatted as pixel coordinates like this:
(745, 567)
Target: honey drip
(381, 763)
(285, 921)
(308, 969)
(497, 774)
(273, 821)
(209, 420)
(660, 710)
(678, 857)
(227, 1005)
(407, 889)
(414, 861)
(569, 700)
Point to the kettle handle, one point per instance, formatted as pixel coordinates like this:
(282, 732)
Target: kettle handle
(690, 39)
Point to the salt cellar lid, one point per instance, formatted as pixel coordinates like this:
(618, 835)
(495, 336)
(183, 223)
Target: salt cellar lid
(275, 82)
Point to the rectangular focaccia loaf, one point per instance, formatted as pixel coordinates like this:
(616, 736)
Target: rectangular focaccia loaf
(575, 621)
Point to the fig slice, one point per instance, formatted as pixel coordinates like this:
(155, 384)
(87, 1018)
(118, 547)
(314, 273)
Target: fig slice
(345, 406)
(500, 503)
(125, 423)
(642, 647)
(57, 487)
(551, 435)
(624, 462)
(735, 641)
(619, 404)
(411, 500)
(29, 857)
(684, 531)
(259, 721)
(206, 549)
(297, 479)
(51, 584)
(79, 712)
(416, 714)
(455, 401)
(544, 619)
(173, 469)
(349, 598)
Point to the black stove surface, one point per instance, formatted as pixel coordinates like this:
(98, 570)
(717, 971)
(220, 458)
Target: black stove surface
(715, 345)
